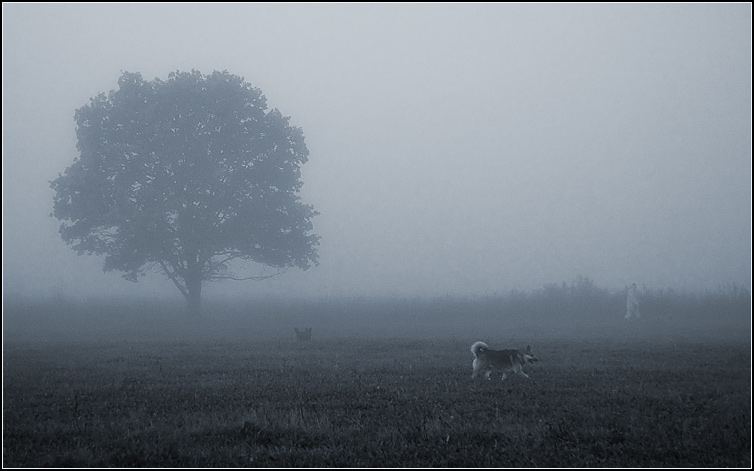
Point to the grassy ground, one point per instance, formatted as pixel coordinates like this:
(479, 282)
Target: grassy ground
(212, 397)
(374, 403)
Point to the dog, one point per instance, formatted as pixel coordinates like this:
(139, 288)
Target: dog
(486, 359)
(304, 336)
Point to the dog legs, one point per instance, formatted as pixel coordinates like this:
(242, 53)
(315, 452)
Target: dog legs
(518, 368)
(475, 367)
(505, 375)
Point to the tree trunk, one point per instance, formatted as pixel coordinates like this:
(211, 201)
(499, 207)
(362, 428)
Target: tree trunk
(194, 292)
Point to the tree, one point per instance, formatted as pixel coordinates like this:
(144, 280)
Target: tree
(185, 176)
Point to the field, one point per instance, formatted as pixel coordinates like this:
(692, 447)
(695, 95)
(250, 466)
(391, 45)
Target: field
(381, 384)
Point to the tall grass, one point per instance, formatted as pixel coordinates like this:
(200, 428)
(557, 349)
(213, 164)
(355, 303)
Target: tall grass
(384, 382)
(374, 403)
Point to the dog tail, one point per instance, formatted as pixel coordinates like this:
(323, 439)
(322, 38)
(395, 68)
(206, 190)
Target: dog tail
(477, 347)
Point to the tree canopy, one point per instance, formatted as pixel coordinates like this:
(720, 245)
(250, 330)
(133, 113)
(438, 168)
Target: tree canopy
(185, 176)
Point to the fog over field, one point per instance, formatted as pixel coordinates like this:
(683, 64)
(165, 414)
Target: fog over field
(497, 173)
(455, 149)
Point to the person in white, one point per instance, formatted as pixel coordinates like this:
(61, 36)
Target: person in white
(632, 303)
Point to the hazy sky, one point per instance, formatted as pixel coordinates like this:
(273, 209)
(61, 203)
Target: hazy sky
(454, 148)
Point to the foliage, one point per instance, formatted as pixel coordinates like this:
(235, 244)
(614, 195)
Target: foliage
(186, 175)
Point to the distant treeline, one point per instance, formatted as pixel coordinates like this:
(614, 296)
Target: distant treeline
(579, 299)
(582, 298)
(578, 308)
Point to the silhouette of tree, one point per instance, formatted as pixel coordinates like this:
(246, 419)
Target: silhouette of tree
(185, 176)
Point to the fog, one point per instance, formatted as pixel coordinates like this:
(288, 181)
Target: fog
(455, 149)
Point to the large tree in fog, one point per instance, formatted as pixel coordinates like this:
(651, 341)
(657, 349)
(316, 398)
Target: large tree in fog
(185, 176)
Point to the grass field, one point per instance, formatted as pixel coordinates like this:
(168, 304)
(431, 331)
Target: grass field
(373, 388)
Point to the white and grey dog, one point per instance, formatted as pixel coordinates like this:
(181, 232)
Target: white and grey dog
(487, 360)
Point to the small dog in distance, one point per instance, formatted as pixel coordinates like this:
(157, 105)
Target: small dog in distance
(303, 336)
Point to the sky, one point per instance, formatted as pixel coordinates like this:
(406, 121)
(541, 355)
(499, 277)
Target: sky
(461, 149)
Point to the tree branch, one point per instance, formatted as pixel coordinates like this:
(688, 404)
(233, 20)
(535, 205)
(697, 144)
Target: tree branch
(278, 273)
(172, 276)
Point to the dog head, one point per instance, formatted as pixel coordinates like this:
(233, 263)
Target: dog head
(529, 355)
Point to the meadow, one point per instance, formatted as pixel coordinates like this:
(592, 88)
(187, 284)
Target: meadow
(383, 383)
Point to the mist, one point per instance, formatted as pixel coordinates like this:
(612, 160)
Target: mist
(455, 150)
